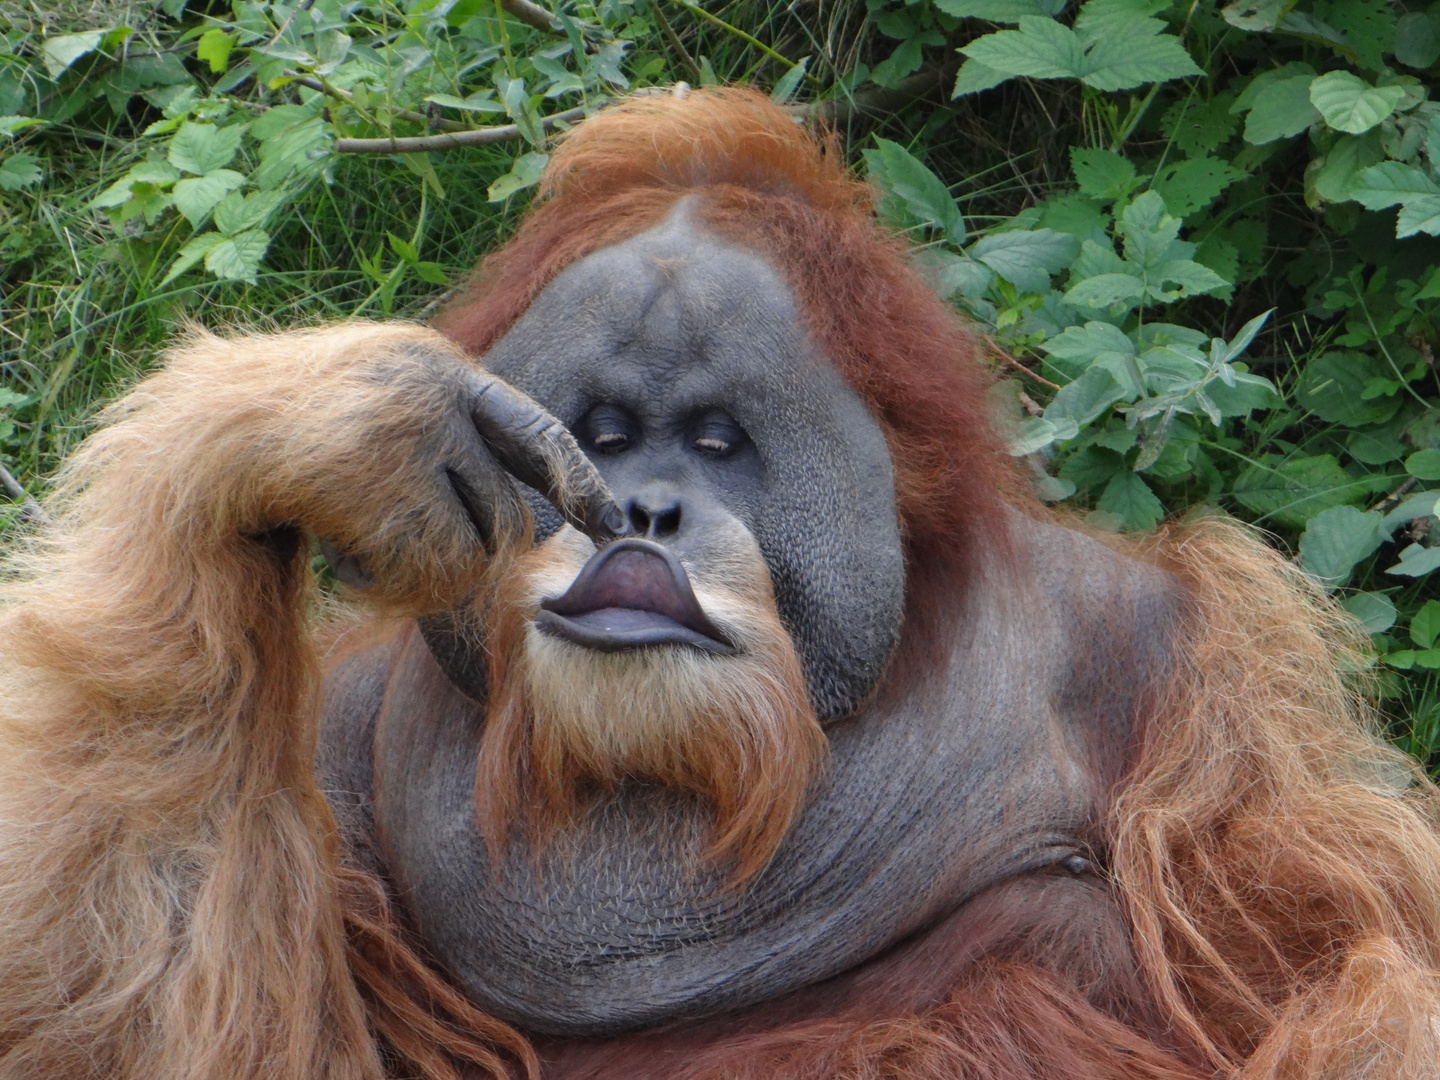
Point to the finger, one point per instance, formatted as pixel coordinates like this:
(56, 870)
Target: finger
(538, 450)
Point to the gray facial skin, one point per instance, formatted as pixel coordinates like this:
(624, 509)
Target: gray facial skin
(994, 763)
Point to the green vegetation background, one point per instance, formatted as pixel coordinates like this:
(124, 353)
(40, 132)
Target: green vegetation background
(1201, 236)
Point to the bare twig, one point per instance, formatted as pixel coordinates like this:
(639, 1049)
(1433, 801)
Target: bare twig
(532, 15)
(1016, 363)
(419, 144)
(29, 508)
(399, 114)
(1389, 502)
(686, 60)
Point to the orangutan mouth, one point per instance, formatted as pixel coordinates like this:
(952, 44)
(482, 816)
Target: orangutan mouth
(630, 595)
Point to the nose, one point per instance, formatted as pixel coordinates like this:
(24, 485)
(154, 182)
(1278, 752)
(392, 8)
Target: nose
(654, 514)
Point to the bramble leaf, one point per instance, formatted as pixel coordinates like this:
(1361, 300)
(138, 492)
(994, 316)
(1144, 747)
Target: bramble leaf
(1336, 539)
(1281, 110)
(924, 194)
(1349, 103)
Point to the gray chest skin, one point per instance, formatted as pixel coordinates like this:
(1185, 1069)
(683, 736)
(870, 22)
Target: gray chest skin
(1020, 687)
(998, 763)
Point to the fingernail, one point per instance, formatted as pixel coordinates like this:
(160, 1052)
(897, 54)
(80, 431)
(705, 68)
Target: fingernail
(615, 519)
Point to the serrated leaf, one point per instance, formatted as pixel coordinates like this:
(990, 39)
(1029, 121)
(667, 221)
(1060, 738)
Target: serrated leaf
(214, 48)
(196, 196)
(1102, 174)
(1128, 497)
(1374, 610)
(1122, 61)
(1336, 539)
(1026, 257)
(60, 52)
(1040, 49)
(1349, 103)
(924, 194)
(1102, 18)
(19, 171)
(1425, 625)
(193, 251)
(1416, 43)
(1188, 186)
(1079, 345)
(236, 214)
(1193, 278)
(974, 76)
(202, 148)
(1107, 290)
(1281, 110)
(1199, 128)
(1036, 434)
(237, 258)
(1415, 561)
(1000, 11)
(1290, 492)
(1419, 215)
(1085, 398)
(1330, 386)
(525, 173)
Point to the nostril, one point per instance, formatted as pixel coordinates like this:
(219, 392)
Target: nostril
(640, 521)
(667, 522)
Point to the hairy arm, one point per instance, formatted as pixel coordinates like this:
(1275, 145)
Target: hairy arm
(168, 890)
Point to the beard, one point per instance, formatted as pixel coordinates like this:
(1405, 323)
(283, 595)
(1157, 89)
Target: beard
(567, 725)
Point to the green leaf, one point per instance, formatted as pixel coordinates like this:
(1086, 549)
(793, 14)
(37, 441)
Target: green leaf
(1040, 49)
(202, 148)
(790, 82)
(1336, 539)
(1104, 18)
(1416, 43)
(9, 125)
(214, 48)
(1107, 290)
(1330, 386)
(1000, 11)
(1424, 464)
(1092, 467)
(1344, 162)
(196, 196)
(924, 194)
(432, 272)
(1129, 498)
(1077, 346)
(1290, 492)
(1037, 433)
(1349, 103)
(237, 215)
(1085, 398)
(1391, 183)
(525, 173)
(1425, 626)
(1188, 186)
(1102, 174)
(1419, 215)
(1415, 561)
(60, 52)
(1122, 61)
(1282, 109)
(1416, 506)
(1199, 128)
(193, 251)
(1374, 610)
(18, 171)
(1024, 257)
(974, 76)
(237, 258)
(1255, 15)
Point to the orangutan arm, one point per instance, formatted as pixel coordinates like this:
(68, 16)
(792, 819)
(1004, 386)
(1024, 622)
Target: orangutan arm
(168, 899)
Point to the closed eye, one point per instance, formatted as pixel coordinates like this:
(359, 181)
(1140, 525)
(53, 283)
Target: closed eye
(608, 429)
(716, 434)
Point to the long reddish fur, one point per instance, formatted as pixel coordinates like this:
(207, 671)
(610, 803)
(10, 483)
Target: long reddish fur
(1276, 866)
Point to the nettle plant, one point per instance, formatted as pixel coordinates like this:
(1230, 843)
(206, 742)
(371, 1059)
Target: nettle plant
(254, 96)
(1266, 151)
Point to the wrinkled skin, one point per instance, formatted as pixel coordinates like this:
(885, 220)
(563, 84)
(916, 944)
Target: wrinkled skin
(989, 767)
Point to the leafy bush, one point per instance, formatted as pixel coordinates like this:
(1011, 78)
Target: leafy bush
(1204, 247)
